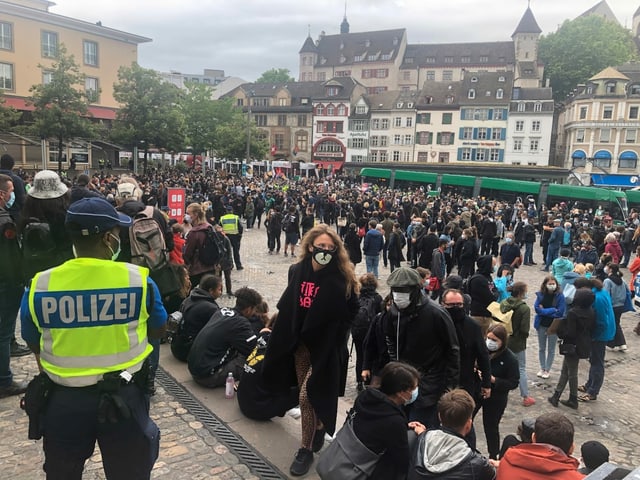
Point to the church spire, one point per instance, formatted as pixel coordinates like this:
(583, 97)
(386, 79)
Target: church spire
(344, 26)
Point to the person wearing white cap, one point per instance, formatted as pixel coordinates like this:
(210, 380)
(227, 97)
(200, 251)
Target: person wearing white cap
(89, 322)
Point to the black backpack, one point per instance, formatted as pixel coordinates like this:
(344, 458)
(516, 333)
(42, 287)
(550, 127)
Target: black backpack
(366, 312)
(210, 253)
(39, 249)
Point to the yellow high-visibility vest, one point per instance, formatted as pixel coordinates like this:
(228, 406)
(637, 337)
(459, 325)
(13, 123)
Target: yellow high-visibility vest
(229, 223)
(92, 318)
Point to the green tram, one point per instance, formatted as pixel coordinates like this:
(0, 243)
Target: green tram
(613, 201)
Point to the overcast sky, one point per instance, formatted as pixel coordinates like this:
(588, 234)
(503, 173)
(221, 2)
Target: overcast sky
(246, 37)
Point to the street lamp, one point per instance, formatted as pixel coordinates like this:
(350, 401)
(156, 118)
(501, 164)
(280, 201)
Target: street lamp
(250, 95)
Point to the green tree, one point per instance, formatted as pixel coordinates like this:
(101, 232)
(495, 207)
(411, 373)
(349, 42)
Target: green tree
(201, 117)
(62, 106)
(276, 75)
(581, 48)
(231, 133)
(150, 115)
(9, 116)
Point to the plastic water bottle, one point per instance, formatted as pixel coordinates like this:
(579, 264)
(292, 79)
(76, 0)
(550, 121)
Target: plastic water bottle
(229, 388)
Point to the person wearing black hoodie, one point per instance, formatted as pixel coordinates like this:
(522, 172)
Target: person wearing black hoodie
(197, 309)
(381, 424)
(480, 288)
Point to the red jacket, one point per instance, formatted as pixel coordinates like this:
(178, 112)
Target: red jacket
(175, 255)
(537, 461)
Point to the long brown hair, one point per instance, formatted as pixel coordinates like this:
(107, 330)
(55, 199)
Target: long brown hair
(344, 264)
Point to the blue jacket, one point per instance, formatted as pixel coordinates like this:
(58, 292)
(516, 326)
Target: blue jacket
(558, 311)
(373, 242)
(605, 328)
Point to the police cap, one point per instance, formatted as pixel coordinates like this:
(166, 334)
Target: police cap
(90, 216)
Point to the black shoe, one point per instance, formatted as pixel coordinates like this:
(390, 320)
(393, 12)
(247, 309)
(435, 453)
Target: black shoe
(302, 463)
(572, 402)
(15, 388)
(553, 399)
(240, 268)
(318, 440)
(18, 350)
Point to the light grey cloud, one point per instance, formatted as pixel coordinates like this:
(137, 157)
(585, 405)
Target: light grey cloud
(246, 37)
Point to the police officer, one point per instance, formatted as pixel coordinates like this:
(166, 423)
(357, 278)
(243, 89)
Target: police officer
(11, 287)
(232, 227)
(87, 321)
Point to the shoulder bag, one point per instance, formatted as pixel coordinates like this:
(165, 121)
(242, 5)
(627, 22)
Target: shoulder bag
(347, 458)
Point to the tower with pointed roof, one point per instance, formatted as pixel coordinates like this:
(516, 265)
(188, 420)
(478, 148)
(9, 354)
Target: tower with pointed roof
(525, 42)
(308, 59)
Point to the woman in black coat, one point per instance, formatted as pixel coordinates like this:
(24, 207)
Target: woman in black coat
(396, 244)
(575, 332)
(308, 346)
(352, 244)
(505, 376)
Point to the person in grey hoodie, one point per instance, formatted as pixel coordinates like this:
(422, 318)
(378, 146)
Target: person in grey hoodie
(444, 453)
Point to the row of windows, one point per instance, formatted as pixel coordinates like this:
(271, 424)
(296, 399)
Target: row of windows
(442, 138)
(608, 112)
(384, 156)
(482, 133)
(471, 94)
(606, 162)
(451, 59)
(481, 154)
(330, 110)
(534, 145)
(375, 73)
(49, 44)
(7, 82)
(483, 113)
(630, 135)
(535, 125)
(261, 120)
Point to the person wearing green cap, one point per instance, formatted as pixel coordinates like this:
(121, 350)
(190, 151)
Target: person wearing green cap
(421, 333)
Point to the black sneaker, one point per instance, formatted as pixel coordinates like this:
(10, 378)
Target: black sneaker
(318, 440)
(302, 463)
(15, 388)
(18, 350)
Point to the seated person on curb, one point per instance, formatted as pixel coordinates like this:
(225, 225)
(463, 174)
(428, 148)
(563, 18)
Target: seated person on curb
(255, 401)
(594, 454)
(549, 456)
(225, 342)
(444, 453)
(197, 309)
(525, 430)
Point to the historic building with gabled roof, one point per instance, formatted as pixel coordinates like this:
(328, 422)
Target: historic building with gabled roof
(383, 60)
(599, 126)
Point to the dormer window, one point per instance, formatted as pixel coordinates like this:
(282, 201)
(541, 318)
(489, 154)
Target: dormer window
(488, 93)
(386, 56)
(341, 45)
(410, 105)
(367, 43)
(332, 91)
(372, 57)
(323, 60)
(399, 105)
(474, 79)
(499, 93)
(537, 107)
(521, 107)
(472, 93)
(395, 41)
(409, 60)
(501, 79)
(449, 99)
(343, 59)
(358, 58)
(610, 88)
(634, 90)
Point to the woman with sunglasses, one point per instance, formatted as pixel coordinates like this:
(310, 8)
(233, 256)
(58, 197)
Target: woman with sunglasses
(308, 346)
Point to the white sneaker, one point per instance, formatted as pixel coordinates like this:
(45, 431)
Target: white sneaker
(623, 348)
(545, 374)
(294, 412)
(540, 373)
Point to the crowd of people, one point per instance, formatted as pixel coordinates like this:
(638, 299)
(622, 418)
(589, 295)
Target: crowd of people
(448, 340)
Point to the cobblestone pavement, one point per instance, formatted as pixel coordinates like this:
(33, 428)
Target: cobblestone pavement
(188, 450)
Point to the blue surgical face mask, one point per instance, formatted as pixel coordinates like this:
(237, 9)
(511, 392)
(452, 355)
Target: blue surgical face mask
(414, 396)
(12, 199)
(508, 240)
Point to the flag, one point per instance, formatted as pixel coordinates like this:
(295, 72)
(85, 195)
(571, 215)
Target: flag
(274, 149)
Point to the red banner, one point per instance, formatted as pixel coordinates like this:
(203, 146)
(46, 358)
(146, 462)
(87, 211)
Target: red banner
(175, 202)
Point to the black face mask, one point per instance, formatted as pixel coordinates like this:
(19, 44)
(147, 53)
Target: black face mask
(323, 257)
(457, 313)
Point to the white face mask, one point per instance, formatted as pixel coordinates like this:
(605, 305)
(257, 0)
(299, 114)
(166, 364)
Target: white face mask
(551, 287)
(492, 345)
(402, 299)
